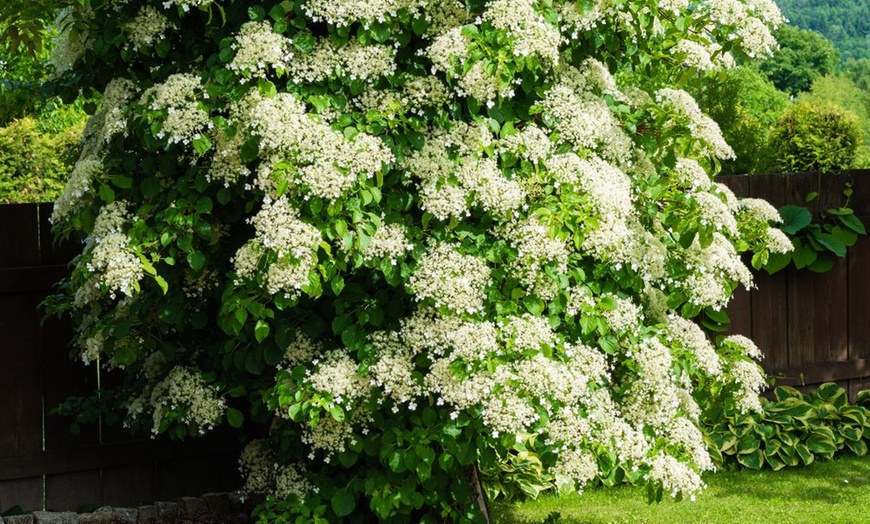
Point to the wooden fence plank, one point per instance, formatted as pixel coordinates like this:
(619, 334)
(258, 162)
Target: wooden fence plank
(817, 316)
(25, 493)
(858, 289)
(19, 235)
(21, 386)
(129, 485)
(72, 491)
(769, 312)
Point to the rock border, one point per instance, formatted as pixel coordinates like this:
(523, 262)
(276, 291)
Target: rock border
(210, 508)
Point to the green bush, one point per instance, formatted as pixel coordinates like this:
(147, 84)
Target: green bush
(815, 136)
(34, 164)
(792, 429)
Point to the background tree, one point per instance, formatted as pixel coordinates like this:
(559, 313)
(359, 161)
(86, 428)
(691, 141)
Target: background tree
(403, 242)
(815, 136)
(38, 132)
(845, 22)
(746, 105)
(803, 56)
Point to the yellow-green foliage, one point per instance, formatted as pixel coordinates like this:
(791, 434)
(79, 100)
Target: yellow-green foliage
(815, 136)
(34, 164)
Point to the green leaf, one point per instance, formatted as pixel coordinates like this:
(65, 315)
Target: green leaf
(854, 223)
(342, 503)
(752, 460)
(261, 330)
(201, 144)
(777, 262)
(235, 417)
(266, 88)
(123, 182)
(196, 260)
(803, 256)
(204, 205)
(834, 246)
(164, 287)
(304, 42)
(822, 264)
(107, 194)
(794, 218)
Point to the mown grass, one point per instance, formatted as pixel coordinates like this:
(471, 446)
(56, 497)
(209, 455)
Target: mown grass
(836, 491)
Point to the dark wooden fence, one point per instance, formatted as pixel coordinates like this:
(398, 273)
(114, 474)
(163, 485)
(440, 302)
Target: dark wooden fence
(42, 465)
(812, 327)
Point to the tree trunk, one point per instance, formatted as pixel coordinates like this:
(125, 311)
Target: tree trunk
(477, 491)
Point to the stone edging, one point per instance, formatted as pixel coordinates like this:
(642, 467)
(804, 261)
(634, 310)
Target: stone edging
(211, 508)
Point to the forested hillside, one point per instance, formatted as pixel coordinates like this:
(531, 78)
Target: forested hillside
(845, 22)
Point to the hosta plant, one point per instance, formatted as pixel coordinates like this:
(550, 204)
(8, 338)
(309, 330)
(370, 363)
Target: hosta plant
(393, 239)
(792, 429)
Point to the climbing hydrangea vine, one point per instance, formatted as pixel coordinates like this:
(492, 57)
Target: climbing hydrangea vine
(396, 239)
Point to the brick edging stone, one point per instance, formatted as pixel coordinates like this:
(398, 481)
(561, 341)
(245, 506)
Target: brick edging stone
(211, 508)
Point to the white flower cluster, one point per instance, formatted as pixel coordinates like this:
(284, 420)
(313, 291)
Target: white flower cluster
(624, 316)
(427, 333)
(701, 126)
(117, 265)
(777, 241)
(184, 390)
(711, 267)
(714, 212)
(675, 476)
(77, 186)
(185, 5)
(257, 466)
(178, 96)
(413, 97)
(278, 228)
(751, 19)
(689, 175)
(354, 61)
(573, 469)
(608, 187)
(325, 162)
(584, 121)
(70, 44)
(484, 181)
(451, 280)
(758, 210)
(751, 381)
(529, 333)
(226, 163)
(147, 28)
(530, 143)
(258, 48)
(692, 337)
(746, 346)
(301, 351)
(345, 12)
(264, 476)
(653, 399)
(592, 76)
(337, 375)
(693, 54)
(536, 248)
(529, 31)
(389, 242)
(393, 371)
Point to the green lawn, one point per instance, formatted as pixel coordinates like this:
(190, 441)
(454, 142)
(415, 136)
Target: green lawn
(836, 491)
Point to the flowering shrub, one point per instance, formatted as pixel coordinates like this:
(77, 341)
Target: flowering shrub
(404, 236)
